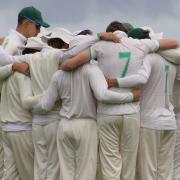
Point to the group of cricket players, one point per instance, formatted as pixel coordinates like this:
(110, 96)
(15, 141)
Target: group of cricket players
(85, 106)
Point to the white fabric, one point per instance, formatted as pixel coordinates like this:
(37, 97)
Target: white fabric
(176, 103)
(1, 155)
(60, 33)
(119, 137)
(46, 162)
(85, 82)
(113, 65)
(152, 34)
(19, 155)
(10, 44)
(172, 55)
(13, 41)
(34, 43)
(16, 127)
(78, 39)
(6, 59)
(155, 154)
(77, 149)
(156, 113)
(176, 175)
(17, 99)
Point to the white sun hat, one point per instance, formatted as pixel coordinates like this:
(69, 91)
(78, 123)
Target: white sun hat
(152, 34)
(44, 32)
(171, 55)
(34, 43)
(78, 39)
(60, 33)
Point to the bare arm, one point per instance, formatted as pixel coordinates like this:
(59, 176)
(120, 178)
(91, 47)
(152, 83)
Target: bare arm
(76, 61)
(167, 44)
(106, 36)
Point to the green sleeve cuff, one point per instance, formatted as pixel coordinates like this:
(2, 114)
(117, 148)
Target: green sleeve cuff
(117, 83)
(98, 36)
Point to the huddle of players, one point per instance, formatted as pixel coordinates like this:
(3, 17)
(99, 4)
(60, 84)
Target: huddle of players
(61, 124)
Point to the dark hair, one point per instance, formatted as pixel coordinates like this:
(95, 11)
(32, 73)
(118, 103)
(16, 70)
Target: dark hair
(115, 26)
(56, 43)
(29, 51)
(20, 20)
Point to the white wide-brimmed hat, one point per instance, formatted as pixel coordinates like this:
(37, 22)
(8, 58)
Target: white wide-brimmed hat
(78, 39)
(34, 43)
(60, 33)
(44, 32)
(152, 34)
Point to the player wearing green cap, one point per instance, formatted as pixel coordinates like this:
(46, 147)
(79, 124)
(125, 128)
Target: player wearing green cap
(29, 22)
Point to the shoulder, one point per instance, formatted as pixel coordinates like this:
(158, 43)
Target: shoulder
(57, 75)
(90, 69)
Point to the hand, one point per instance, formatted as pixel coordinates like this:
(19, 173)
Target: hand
(21, 68)
(109, 36)
(111, 82)
(137, 94)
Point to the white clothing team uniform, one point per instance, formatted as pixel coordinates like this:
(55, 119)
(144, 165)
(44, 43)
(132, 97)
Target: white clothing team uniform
(15, 117)
(176, 98)
(158, 124)
(119, 123)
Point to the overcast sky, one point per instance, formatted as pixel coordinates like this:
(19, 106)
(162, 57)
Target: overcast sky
(162, 16)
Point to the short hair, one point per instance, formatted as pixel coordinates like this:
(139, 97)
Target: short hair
(116, 26)
(20, 20)
(56, 43)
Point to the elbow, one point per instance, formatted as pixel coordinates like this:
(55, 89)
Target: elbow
(102, 98)
(143, 81)
(26, 106)
(67, 66)
(175, 44)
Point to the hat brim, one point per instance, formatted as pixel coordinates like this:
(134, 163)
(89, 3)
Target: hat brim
(43, 24)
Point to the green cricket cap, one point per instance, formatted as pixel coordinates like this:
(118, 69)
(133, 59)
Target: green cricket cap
(33, 14)
(138, 33)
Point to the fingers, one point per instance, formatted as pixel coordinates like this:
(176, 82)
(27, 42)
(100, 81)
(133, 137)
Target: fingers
(109, 36)
(21, 68)
(137, 94)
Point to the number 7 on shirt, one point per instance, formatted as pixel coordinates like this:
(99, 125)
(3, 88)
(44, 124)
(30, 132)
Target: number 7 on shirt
(123, 55)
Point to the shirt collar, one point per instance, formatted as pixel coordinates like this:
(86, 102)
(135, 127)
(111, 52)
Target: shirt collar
(22, 38)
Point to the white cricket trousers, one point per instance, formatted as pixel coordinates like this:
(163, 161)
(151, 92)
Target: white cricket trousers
(1, 155)
(77, 149)
(176, 175)
(156, 154)
(46, 163)
(119, 137)
(18, 155)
